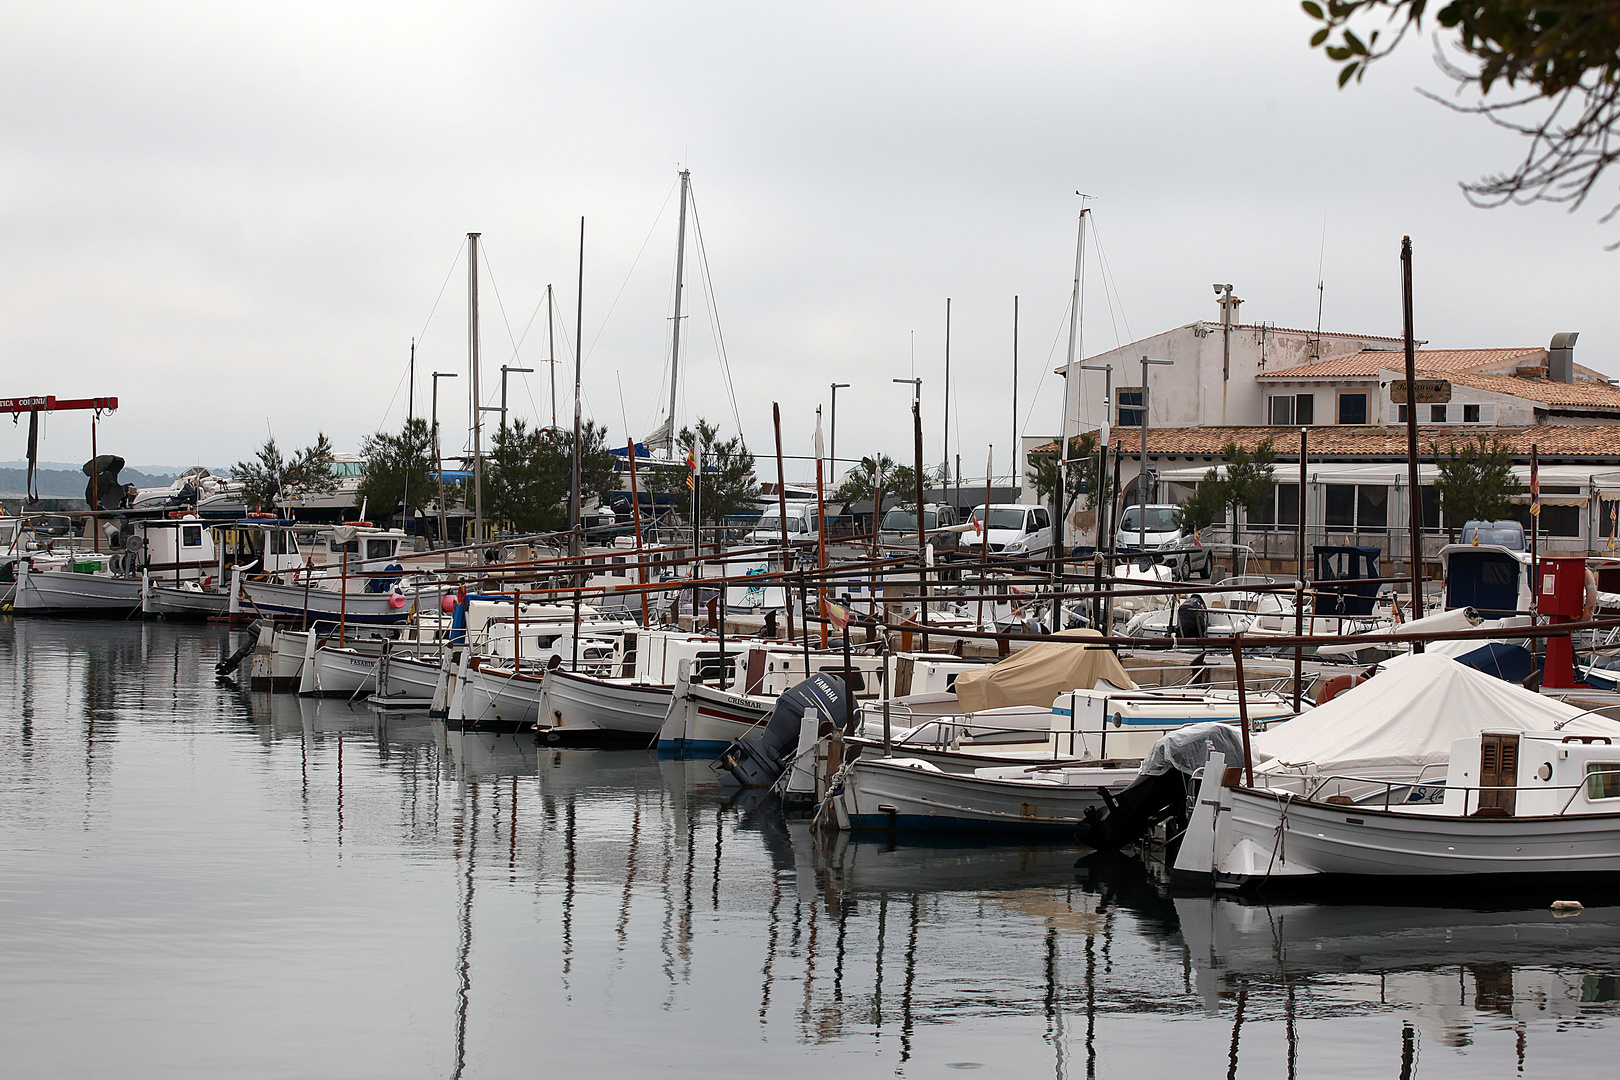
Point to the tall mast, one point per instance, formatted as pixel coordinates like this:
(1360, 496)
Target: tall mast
(947, 426)
(477, 399)
(675, 335)
(1069, 389)
(579, 350)
(551, 352)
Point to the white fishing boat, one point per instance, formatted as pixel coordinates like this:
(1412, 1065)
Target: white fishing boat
(87, 583)
(1429, 770)
(584, 709)
(876, 792)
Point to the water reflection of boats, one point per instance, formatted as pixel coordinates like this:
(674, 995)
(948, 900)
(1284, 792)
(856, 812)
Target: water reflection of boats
(852, 864)
(488, 753)
(1452, 968)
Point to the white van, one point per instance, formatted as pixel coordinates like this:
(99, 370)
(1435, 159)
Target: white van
(1016, 531)
(803, 524)
(1152, 528)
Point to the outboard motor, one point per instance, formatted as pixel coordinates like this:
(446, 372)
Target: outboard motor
(1192, 618)
(1159, 793)
(234, 661)
(759, 760)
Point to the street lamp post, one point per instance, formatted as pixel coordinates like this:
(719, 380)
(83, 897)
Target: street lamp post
(438, 465)
(837, 386)
(1141, 516)
(504, 370)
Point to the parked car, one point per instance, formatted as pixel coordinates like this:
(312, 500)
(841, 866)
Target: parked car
(803, 524)
(899, 527)
(1152, 530)
(1011, 530)
(1508, 534)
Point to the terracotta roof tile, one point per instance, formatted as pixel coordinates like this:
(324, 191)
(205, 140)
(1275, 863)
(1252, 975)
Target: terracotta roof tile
(1597, 395)
(1585, 441)
(1429, 362)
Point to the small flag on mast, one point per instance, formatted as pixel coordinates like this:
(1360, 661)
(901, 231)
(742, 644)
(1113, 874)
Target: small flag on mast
(691, 470)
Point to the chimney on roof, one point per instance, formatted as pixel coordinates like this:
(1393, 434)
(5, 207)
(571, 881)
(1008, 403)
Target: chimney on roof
(1561, 357)
(1221, 300)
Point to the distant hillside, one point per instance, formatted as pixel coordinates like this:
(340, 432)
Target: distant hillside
(69, 483)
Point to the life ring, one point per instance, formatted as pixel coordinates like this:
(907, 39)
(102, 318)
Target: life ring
(361, 524)
(1338, 685)
(396, 600)
(261, 514)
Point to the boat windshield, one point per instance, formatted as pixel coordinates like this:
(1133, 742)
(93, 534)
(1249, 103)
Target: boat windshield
(906, 520)
(1160, 519)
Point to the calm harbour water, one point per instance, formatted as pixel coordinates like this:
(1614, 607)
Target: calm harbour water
(196, 880)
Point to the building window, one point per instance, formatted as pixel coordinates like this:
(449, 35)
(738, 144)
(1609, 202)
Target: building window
(1356, 506)
(1339, 510)
(191, 536)
(1288, 410)
(1352, 408)
(1288, 504)
(1606, 517)
(1130, 406)
(1555, 520)
(1437, 414)
(1470, 414)
(1372, 507)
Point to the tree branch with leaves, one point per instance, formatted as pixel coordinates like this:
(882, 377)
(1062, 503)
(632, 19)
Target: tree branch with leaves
(1475, 481)
(267, 475)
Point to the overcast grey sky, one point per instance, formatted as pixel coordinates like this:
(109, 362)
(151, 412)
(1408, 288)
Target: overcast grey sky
(235, 217)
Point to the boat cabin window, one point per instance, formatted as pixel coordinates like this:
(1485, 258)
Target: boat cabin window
(1603, 780)
(352, 547)
(379, 549)
(191, 536)
(281, 543)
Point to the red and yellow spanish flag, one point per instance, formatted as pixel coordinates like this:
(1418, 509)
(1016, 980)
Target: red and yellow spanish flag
(836, 614)
(691, 470)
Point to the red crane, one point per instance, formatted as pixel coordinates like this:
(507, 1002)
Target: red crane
(47, 403)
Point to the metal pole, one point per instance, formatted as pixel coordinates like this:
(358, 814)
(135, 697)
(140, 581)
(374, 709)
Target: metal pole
(946, 457)
(579, 357)
(477, 400)
(781, 511)
(922, 529)
(1415, 503)
(635, 516)
(95, 487)
(1059, 540)
(438, 466)
(504, 370)
(675, 342)
(410, 397)
(1226, 343)
(1299, 561)
(1142, 500)
(835, 388)
(1013, 446)
(1243, 708)
(551, 353)
(821, 538)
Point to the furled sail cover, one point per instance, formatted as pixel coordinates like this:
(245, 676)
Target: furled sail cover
(1408, 716)
(1036, 675)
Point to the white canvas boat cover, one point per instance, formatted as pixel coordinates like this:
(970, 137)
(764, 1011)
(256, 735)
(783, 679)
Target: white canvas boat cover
(1036, 675)
(1409, 715)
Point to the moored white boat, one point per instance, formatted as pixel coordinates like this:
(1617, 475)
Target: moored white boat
(1373, 788)
(876, 792)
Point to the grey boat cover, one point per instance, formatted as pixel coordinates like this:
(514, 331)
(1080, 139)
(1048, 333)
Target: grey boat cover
(1187, 748)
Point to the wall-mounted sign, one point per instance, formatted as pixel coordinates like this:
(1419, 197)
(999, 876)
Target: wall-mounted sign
(1428, 391)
